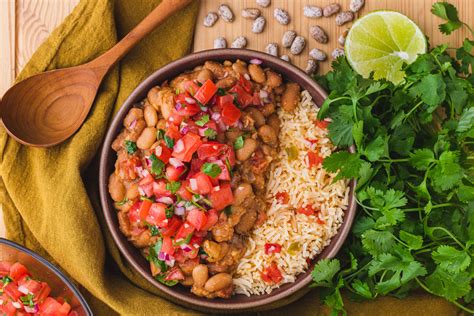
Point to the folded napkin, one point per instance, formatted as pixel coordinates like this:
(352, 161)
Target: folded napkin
(50, 196)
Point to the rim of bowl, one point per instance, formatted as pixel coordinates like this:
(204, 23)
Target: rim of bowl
(53, 268)
(288, 71)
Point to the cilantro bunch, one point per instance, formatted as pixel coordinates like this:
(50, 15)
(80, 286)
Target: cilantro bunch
(414, 166)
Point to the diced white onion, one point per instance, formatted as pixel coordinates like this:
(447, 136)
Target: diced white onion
(16, 305)
(263, 94)
(179, 146)
(158, 151)
(175, 162)
(165, 199)
(190, 100)
(193, 184)
(179, 210)
(140, 190)
(246, 76)
(23, 289)
(217, 188)
(256, 61)
(216, 116)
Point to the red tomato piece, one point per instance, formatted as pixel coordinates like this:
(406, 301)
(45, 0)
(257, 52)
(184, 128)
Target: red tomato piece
(33, 286)
(243, 98)
(212, 218)
(314, 159)
(157, 215)
(65, 309)
(224, 99)
(134, 213)
(183, 191)
(190, 87)
(167, 246)
(145, 208)
(271, 274)
(245, 84)
(159, 189)
(322, 124)
(184, 231)
(174, 173)
(172, 131)
(11, 290)
(173, 226)
(44, 293)
(221, 196)
(230, 114)
(17, 270)
(174, 274)
(200, 183)
(186, 105)
(307, 210)
(146, 180)
(196, 218)
(225, 174)
(272, 248)
(211, 150)
(186, 146)
(4, 268)
(162, 152)
(8, 309)
(206, 92)
(51, 306)
(282, 197)
(175, 117)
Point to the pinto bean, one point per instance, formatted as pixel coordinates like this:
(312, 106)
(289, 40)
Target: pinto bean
(290, 98)
(274, 121)
(200, 275)
(268, 109)
(161, 124)
(218, 282)
(147, 138)
(132, 117)
(132, 191)
(240, 67)
(188, 281)
(226, 82)
(273, 79)
(217, 69)
(268, 134)
(204, 75)
(257, 116)
(244, 153)
(116, 188)
(256, 73)
(242, 193)
(232, 134)
(151, 117)
(247, 221)
(162, 100)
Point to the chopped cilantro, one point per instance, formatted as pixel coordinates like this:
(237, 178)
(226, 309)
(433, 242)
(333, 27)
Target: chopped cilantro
(157, 166)
(173, 186)
(169, 141)
(211, 169)
(160, 134)
(203, 120)
(228, 211)
(154, 230)
(239, 142)
(27, 300)
(169, 211)
(210, 133)
(161, 279)
(123, 202)
(130, 147)
(221, 92)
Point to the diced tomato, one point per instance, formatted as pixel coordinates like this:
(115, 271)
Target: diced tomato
(271, 274)
(157, 215)
(167, 246)
(172, 131)
(163, 152)
(174, 274)
(211, 150)
(184, 230)
(44, 293)
(146, 180)
(282, 197)
(230, 114)
(190, 87)
(256, 100)
(145, 208)
(174, 173)
(225, 174)
(322, 124)
(272, 248)
(221, 196)
(186, 108)
(206, 92)
(146, 189)
(50, 306)
(244, 99)
(11, 290)
(17, 270)
(314, 159)
(8, 309)
(159, 189)
(34, 287)
(196, 165)
(183, 191)
(212, 218)
(307, 210)
(134, 213)
(186, 146)
(173, 226)
(65, 309)
(320, 221)
(224, 99)
(197, 218)
(4, 268)
(229, 156)
(203, 184)
(245, 84)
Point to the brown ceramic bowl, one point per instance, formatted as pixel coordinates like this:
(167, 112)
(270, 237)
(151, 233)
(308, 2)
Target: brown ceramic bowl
(179, 294)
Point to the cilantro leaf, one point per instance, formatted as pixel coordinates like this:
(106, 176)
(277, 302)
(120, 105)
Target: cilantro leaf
(447, 12)
(169, 141)
(340, 129)
(157, 166)
(324, 271)
(447, 173)
(130, 147)
(203, 120)
(362, 288)
(431, 89)
(450, 259)
(160, 134)
(173, 186)
(466, 121)
(376, 242)
(345, 164)
(413, 241)
(211, 169)
(376, 148)
(449, 285)
(239, 142)
(210, 133)
(389, 199)
(422, 158)
(161, 279)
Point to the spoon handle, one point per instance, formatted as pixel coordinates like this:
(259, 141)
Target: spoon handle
(156, 17)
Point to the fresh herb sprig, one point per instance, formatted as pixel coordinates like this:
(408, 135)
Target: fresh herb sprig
(414, 165)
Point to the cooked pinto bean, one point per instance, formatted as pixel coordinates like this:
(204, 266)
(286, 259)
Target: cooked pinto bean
(161, 124)
(247, 221)
(147, 138)
(274, 121)
(117, 144)
(268, 109)
(218, 282)
(188, 281)
(151, 117)
(215, 251)
(240, 67)
(162, 100)
(222, 231)
(291, 96)
(257, 116)
(132, 117)
(256, 73)
(232, 134)
(247, 150)
(226, 82)
(132, 191)
(217, 69)
(200, 275)
(242, 193)
(124, 223)
(273, 79)
(116, 188)
(236, 213)
(137, 130)
(268, 134)
(269, 151)
(205, 74)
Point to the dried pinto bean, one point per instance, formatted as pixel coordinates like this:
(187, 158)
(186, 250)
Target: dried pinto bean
(250, 13)
(337, 53)
(220, 42)
(298, 45)
(272, 49)
(331, 9)
(281, 16)
(311, 11)
(344, 17)
(226, 13)
(239, 42)
(318, 34)
(210, 19)
(342, 38)
(288, 38)
(258, 25)
(356, 5)
(311, 66)
(264, 3)
(318, 54)
(285, 58)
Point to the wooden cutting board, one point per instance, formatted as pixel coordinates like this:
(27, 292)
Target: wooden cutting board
(418, 10)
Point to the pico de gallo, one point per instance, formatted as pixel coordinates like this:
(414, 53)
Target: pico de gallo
(191, 168)
(21, 294)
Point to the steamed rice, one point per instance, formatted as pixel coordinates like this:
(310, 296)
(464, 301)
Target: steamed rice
(305, 187)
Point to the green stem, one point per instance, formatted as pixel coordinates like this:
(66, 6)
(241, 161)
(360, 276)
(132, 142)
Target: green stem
(434, 206)
(411, 111)
(393, 160)
(469, 28)
(450, 235)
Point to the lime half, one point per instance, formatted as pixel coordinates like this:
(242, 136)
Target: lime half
(381, 42)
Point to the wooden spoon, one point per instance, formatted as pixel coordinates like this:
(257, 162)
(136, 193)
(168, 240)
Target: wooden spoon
(46, 109)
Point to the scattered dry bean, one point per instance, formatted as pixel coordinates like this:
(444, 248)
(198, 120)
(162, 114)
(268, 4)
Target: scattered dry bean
(281, 16)
(342, 38)
(250, 13)
(298, 45)
(258, 25)
(344, 17)
(288, 38)
(226, 13)
(272, 49)
(311, 66)
(331, 9)
(285, 58)
(356, 5)
(310, 11)
(264, 3)
(318, 54)
(239, 42)
(337, 53)
(220, 42)
(318, 34)
(210, 19)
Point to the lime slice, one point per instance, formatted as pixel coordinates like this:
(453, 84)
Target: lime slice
(381, 42)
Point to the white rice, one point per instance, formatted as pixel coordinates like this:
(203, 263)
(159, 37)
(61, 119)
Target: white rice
(305, 187)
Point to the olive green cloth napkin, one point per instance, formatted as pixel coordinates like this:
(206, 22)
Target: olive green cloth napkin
(50, 196)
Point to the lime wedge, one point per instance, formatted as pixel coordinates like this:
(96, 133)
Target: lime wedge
(381, 42)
